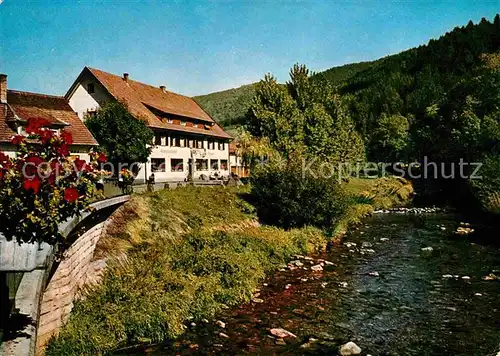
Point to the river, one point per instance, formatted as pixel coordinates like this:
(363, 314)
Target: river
(383, 292)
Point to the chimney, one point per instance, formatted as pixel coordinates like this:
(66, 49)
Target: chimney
(125, 76)
(3, 88)
(163, 88)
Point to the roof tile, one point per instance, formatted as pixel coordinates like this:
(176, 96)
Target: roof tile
(139, 96)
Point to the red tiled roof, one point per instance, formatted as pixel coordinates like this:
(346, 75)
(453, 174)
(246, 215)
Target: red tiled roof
(139, 96)
(54, 109)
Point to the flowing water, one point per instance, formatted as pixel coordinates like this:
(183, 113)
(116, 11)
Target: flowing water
(383, 292)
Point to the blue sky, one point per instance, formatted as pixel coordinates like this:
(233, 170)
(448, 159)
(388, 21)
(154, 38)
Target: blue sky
(197, 47)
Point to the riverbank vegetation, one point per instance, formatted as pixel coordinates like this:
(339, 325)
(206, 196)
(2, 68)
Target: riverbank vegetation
(189, 252)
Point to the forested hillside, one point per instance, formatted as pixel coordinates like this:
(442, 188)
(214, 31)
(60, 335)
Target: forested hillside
(439, 102)
(407, 84)
(229, 107)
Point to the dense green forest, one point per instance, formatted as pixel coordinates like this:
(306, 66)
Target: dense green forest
(440, 100)
(229, 107)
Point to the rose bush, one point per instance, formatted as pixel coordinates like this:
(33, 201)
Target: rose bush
(43, 186)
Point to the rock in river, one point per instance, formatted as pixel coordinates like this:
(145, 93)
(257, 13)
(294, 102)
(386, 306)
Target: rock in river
(349, 349)
(317, 268)
(281, 333)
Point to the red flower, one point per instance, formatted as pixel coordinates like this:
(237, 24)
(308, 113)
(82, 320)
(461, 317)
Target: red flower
(34, 125)
(102, 158)
(66, 137)
(55, 171)
(31, 165)
(63, 150)
(71, 195)
(17, 140)
(80, 165)
(4, 158)
(33, 184)
(46, 135)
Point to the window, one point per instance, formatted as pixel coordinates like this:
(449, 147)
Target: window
(170, 121)
(177, 165)
(182, 140)
(195, 125)
(190, 143)
(157, 139)
(223, 164)
(214, 164)
(158, 164)
(221, 146)
(90, 88)
(201, 164)
(211, 145)
(199, 143)
(183, 123)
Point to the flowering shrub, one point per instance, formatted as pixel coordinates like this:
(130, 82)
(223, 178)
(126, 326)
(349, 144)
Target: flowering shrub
(126, 179)
(43, 186)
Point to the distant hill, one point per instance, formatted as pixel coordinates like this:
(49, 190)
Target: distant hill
(338, 75)
(228, 107)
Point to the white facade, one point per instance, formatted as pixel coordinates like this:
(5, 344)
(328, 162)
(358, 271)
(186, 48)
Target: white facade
(165, 153)
(82, 102)
(237, 166)
(173, 164)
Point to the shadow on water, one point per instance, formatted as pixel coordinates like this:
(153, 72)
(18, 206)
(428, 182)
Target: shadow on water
(399, 285)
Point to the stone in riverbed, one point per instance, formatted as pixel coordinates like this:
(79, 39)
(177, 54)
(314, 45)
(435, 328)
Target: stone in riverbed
(374, 274)
(257, 300)
(490, 277)
(282, 333)
(296, 263)
(427, 249)
(225, 336)
(317, 268)
(220, 323)
(349, 349)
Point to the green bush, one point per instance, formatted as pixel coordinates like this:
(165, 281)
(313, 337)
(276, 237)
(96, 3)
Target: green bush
(287, 198)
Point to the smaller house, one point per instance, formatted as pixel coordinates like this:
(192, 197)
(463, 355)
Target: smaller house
(238, 167)
(16, 107)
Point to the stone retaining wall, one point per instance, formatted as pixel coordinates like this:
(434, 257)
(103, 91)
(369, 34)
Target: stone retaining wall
(63, 288)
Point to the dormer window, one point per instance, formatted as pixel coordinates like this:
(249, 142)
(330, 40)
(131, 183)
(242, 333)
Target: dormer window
(170, 121)
(90, 88)
(183, 123)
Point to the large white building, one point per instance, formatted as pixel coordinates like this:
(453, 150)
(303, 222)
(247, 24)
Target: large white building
(187, 139)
